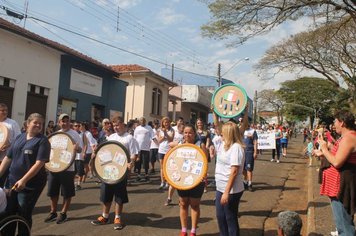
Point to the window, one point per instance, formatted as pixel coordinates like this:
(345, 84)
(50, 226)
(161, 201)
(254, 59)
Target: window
(156, 101)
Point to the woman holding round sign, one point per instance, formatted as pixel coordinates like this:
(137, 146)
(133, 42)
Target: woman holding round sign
(25, 160)
(185, 167)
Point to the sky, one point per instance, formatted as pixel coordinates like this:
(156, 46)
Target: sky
(154, 34)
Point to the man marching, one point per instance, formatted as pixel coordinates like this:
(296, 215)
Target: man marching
(119, 190)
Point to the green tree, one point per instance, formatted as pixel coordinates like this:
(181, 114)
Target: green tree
(309, 97)
(243, 19)
(330, 51)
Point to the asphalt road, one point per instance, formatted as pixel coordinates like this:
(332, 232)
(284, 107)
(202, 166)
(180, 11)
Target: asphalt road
(277, 187)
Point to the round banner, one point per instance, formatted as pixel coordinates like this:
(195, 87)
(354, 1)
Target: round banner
(185, 166)
(62, 152)
(4, 135)
(111, 162)
(229, 100)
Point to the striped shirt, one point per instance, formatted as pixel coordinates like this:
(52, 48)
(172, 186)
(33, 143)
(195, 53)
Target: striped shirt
(331, 177)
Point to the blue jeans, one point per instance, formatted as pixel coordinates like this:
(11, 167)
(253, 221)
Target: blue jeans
(22, 203)
(227, 215)
(343, 221)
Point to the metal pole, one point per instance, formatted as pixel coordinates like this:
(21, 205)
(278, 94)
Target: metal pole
(219, 75)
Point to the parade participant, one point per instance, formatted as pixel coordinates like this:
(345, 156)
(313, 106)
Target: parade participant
(63, 181)
(165, 136)
(309, 151)
(178, 139)
(14, 131)
(27, 176)
(143, 134)
(118, 191)
(50, 127)
(338, 181)
(180, 121)
(228, 177)
(250, 141)
(91, 144)
(203, 135)
(154, 146)
(105, 131)
(190, 197)
(284, 141)
(278, 136)
(79, 157)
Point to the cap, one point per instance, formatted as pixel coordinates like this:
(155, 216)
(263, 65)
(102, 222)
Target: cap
(62, 116)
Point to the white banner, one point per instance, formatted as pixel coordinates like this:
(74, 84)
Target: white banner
(86, 83)
(266, 140)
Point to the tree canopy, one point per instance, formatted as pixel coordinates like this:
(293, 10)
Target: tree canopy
(243, 19)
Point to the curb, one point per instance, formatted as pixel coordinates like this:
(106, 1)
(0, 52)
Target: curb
(311, 205)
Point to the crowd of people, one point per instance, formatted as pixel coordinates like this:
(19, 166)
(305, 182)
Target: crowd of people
(231, 145)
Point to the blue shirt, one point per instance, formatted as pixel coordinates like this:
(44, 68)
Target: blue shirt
(24, 154)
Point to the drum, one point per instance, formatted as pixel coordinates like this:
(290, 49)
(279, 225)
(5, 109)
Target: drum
(4, 135)
(229, 100)
(185, 166)
(111, 162)
(62, 152)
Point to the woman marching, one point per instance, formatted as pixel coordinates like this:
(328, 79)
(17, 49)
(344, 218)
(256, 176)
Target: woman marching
(228, 177)
(190, 197)
(27, 178)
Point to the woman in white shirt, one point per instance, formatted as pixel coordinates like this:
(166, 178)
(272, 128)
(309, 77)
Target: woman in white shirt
(228, 177)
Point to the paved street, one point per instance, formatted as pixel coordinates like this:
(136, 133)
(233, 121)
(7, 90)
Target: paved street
(277, 187)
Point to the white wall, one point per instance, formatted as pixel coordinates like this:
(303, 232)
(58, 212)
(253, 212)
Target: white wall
(29, 62)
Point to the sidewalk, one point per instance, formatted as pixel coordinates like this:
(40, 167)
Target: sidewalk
(320, 219)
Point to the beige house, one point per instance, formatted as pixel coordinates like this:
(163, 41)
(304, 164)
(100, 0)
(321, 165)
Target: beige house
(147, 93)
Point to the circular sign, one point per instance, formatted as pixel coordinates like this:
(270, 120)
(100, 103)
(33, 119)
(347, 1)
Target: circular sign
(111, 162)
(185, 166)
(62, 152)
(4, 135)
(229, 100)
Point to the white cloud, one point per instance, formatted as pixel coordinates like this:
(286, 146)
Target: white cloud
(167, 16)
(128, 3)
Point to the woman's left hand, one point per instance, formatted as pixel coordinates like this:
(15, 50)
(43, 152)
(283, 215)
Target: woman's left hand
(224, 199)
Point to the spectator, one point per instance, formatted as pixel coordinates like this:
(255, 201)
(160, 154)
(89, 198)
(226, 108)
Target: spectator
(289, 223)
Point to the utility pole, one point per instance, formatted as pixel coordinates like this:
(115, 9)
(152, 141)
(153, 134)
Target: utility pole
(219, 75)
(172, 75)
(255, 108)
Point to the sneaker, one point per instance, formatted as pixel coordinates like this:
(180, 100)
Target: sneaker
(166, 186)
(334, 233)
(117, 224)
(245, 186)
(168, 202)
(250, 188)
(78, 187)
(100, 221)
(272, 160)
(183, 234)
(161, 186)
(277, 161)
(51, 217)
(62, 217)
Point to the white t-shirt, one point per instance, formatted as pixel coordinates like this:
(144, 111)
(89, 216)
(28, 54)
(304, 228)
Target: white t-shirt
(178, 137)
(77, 139)
(232, 157)
(144, 136)
(91, 142)
(164, 145)
(127, 140)
(14, 131)
(217, 142)
(154, 141)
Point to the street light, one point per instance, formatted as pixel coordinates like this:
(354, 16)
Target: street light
(219, 69)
